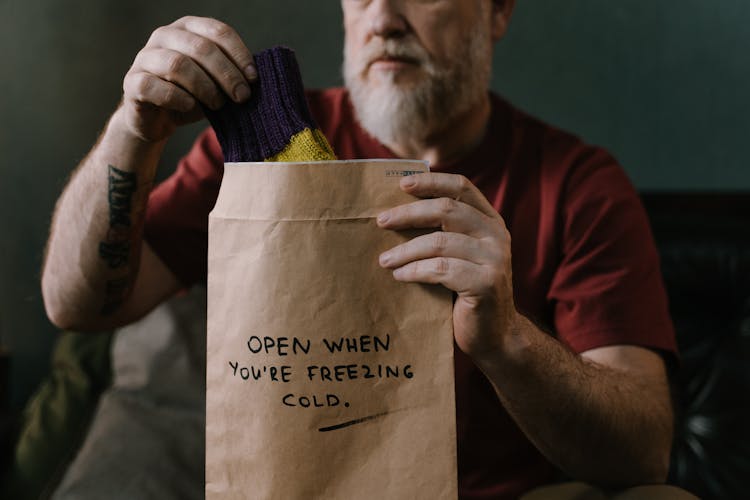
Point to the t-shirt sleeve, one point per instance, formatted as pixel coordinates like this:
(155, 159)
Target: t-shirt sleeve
(608, 287)
(176, 225)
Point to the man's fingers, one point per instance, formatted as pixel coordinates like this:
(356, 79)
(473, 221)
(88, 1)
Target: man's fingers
(436, 244)
(444, 213)
(458, 275)
(147, 88)
(206, 54)
(456, 187)
(181, 70)
(226, 38)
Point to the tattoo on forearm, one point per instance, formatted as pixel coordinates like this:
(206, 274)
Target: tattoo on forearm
(116, 249)
(116, 254)
(122, 186)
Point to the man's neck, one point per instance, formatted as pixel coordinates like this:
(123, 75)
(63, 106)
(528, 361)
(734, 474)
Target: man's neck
(452, 141)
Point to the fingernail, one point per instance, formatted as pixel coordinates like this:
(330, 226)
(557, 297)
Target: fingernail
(251, 73)
(383, 218)
(241, 92)
(384, 258)
(408, 182)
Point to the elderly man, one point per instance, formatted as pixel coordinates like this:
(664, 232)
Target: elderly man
(560, 316)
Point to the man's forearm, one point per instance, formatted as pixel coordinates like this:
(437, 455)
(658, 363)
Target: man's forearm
(594, 422)
(95, 239)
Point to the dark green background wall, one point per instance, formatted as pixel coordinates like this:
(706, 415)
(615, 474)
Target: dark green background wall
(664, 85)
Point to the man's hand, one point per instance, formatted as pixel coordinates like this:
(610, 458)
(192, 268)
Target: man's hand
(190, 62)
(604, 416)
(469, 255)
(94, 277)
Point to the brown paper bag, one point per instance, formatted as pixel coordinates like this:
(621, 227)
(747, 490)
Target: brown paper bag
(326, 378)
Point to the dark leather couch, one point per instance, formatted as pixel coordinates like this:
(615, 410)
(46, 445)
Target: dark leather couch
(704, 241)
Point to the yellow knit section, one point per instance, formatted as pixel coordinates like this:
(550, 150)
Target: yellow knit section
(308, 145)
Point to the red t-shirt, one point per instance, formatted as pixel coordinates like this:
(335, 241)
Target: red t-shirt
(585, 267)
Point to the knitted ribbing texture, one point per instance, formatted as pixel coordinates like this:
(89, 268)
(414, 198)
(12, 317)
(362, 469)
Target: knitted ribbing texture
(275, 124)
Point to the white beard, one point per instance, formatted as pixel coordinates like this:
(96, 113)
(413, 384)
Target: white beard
(397, 113)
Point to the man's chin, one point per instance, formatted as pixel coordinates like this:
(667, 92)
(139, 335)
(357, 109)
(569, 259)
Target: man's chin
(389, 95)
(388, 113)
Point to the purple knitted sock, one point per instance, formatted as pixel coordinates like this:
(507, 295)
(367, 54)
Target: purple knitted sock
(262, 126)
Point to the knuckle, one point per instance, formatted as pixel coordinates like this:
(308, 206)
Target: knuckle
(186, 20)
(168, 95)
(219, 29)
(402, 212)
(442, 265)
(243, 55)
(417, 268)
(143, 86)
(175, 65)
(464, 184)
(156, 35)
(401, 251)
(446, 205)
(202, 47)
(439, 241)
(138, 60)
(137, 86)
(229, 74)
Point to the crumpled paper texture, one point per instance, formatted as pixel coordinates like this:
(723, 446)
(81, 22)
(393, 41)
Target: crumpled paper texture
(326, 378)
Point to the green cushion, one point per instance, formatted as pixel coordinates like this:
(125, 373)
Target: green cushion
(56, 418)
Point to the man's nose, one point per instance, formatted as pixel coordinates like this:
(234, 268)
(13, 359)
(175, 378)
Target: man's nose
(387, 19)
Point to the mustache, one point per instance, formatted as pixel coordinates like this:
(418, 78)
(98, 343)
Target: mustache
(408, 50)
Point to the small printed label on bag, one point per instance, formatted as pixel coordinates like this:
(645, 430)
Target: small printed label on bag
(401, 173)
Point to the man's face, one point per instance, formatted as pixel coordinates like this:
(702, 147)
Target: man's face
(411, 65)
